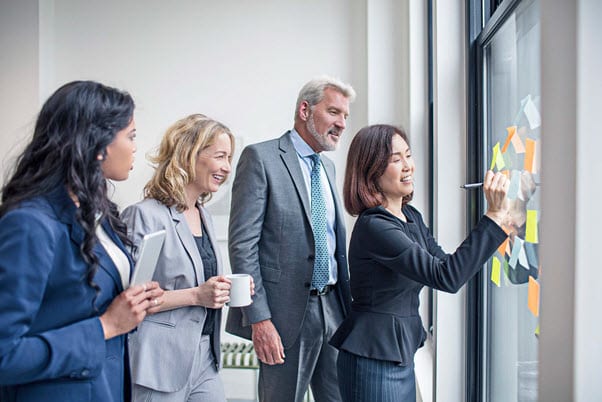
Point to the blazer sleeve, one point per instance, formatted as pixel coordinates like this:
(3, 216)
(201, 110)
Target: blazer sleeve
(386, 242)
(247, 213)
(28, 247)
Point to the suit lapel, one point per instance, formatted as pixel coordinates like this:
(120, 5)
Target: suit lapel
(65, 211)
(187, 240)
(291, 161)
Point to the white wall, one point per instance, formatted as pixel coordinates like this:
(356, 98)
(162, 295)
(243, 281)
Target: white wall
(571, 329)
(18, 77)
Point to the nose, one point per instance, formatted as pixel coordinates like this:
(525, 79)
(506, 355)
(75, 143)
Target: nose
(341, 122)
(227, 166)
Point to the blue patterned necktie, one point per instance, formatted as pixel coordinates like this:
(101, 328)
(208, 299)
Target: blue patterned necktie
(318, 224)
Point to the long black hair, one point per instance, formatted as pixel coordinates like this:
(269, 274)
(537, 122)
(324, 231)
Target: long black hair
(74, 127)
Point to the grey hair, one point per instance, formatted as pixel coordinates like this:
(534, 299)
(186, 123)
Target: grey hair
(313, 91)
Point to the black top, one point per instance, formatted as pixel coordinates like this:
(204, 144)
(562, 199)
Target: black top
(209, 270)
(389, 263)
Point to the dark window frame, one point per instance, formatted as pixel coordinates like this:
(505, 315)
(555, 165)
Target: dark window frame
(483, 20)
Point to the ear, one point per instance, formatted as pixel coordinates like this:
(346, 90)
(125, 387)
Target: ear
(304, 110)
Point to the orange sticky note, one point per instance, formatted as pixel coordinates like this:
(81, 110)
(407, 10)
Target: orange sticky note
(518, 145)
(533, 297)
(531, 229)
(503, 247)
(511, 131)
(495, 271)
(530, 155)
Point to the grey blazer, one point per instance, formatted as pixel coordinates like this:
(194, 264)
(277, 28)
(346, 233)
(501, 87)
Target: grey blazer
(163, 347)
(270, 237)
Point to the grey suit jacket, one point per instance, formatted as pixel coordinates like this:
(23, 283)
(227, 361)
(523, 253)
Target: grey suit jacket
(164, 346)
(270, 237)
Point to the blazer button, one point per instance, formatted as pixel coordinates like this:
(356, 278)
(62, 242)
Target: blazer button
(311, 257)
(307, 285)
(85, 372)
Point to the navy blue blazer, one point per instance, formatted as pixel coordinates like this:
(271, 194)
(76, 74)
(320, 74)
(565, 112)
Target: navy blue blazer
(389, 263)
(52, 345)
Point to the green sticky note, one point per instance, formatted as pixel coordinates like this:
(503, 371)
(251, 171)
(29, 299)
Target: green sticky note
(494, 158)
(495, 271)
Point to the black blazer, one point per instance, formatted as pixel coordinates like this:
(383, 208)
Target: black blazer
(389, 262)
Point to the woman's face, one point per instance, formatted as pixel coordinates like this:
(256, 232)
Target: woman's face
(213, 165)
(119, 159)
(398, 179)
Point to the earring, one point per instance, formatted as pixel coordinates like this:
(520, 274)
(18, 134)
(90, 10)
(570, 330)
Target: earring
(99, 157)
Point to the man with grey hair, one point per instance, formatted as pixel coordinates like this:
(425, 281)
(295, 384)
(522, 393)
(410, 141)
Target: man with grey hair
(287, 231)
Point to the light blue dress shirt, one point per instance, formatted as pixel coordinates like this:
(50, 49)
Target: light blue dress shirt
(304, 152)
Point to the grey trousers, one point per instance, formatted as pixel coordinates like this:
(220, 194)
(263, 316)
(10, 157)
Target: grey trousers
(310, 361)
(203, 385)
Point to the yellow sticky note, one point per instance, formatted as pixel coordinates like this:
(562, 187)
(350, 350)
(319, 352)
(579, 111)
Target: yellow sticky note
(533, 299)
(531, 229)
(511, 131)
(495, 271)
(499, 160)
(496, 151)
(530, 155)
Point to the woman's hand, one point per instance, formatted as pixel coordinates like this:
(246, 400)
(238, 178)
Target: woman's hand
(214, 292)
(495, 187)
(130, 307)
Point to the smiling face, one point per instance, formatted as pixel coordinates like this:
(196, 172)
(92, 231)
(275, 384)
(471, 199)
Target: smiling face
(398, 179)
(119, 159)
(325, 121)
(213, 165)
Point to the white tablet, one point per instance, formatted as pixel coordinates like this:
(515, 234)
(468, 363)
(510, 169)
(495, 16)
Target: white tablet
(150, 247)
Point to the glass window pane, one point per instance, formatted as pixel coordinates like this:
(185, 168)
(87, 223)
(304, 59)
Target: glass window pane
(513, 138)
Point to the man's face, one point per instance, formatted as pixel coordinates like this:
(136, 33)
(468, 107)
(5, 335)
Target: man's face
(326, 120)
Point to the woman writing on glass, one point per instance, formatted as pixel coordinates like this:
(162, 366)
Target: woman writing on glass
(64, 270)
(175, 354)
(392, 256)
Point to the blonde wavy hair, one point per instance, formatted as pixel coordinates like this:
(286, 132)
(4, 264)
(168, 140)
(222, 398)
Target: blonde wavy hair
(176, 157)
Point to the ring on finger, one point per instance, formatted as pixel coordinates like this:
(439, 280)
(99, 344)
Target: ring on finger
(155, 301)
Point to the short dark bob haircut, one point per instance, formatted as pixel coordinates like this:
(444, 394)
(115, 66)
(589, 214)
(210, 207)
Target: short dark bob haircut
(367, 160)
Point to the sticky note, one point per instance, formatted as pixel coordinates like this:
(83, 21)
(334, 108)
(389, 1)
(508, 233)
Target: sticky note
(502, 248)
(516, 247)
(531, 254)
(496, 151)
(537, 330)
(495, 271)
(533, 298)
(518, 145)
(529, 164)
(511, 131)
(506, 276)
(531, 229)
(532, 113)
(514, 185)
(522, 258)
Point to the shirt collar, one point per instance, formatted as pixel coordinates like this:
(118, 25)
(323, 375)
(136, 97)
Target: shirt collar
(302, 148)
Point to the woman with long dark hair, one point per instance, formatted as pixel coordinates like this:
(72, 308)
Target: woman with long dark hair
(64, 270)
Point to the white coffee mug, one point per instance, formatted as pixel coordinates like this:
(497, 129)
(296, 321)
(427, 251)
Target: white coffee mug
(240, 290)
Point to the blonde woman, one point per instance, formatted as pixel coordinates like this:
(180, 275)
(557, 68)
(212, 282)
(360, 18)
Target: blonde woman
(174, 355)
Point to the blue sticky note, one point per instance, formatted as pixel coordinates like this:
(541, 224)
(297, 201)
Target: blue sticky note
(514, 185)
(516, 247)
(531, 254)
